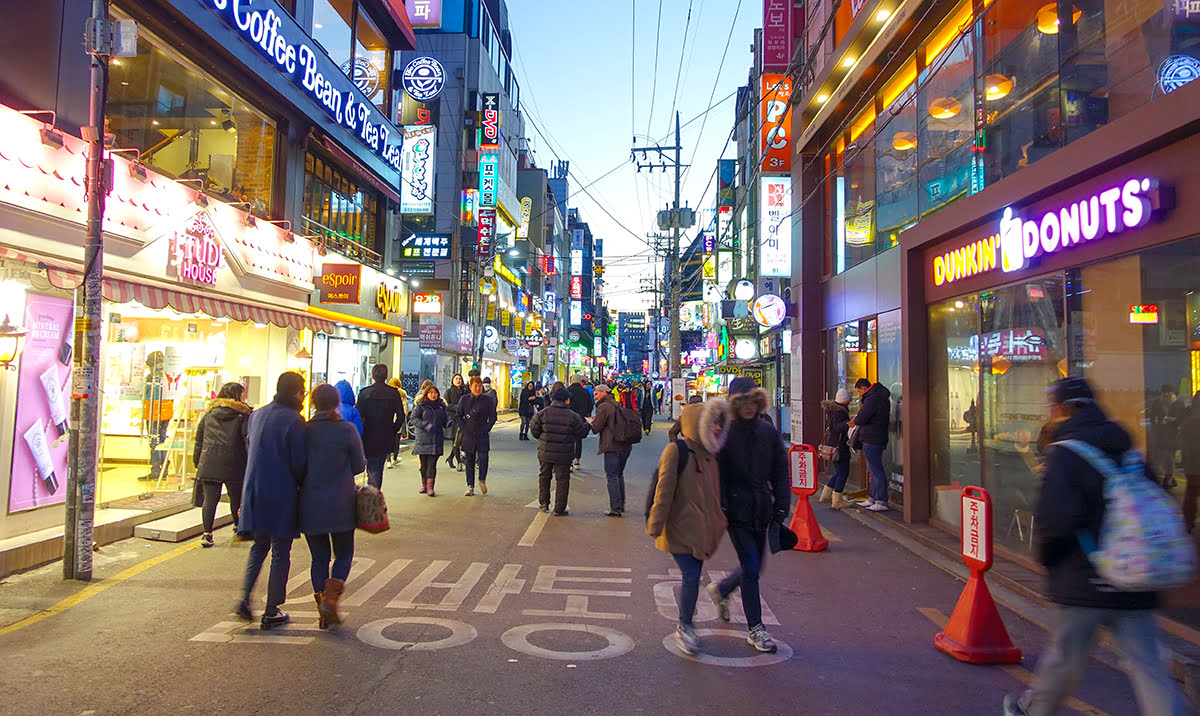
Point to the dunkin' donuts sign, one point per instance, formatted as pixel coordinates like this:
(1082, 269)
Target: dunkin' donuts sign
(341, 283)
(196, 251)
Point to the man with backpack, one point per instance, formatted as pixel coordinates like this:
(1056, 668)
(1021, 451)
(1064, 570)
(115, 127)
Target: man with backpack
(1089, 457)
(619, 428)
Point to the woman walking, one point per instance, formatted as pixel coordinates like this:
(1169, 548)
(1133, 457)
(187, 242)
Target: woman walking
(476, 416)
(526, 409)
(429, 421)
(220, 455)
(837, 431)
(327, 500)
(454, 394)
(685, 519)
(347, 410)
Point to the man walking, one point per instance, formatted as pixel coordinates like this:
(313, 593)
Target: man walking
(581, 402)
(874, 414)
(646, 403)
(556, 429)
(382, 413)
(476, 416)
(606, 424)
(755, 492)
(1072, 503)
(277, 455)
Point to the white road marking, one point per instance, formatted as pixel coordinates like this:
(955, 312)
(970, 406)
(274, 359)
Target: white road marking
(243, 633)
(517, 639)
(783, 651)
(534, 530)
(505, 583)
(460, 633)
(359, 565)
(455, 596)
(360, 596)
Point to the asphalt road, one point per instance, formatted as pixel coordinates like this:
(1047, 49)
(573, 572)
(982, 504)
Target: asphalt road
(483, 605)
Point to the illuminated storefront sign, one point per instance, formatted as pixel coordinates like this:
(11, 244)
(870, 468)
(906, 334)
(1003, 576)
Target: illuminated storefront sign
(774, 120)
(489, 165)
(425, 246)
(423, 78)
(526, 215)
(340, 283)
(777, 35)
(506, 272)
(576, 313)
(424, 14)
(1143, 313)
(417, 169)
(196, 251)
(470, 201)
(389, 300)
(277, 37)
(489, 120)
(1018, 241)
(577, 287)
(427, 303)
(768, 310)
(487, 231)
(775, 228)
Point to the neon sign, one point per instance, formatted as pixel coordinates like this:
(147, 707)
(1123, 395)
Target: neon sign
(417, 169)
(1143, 313)
(488, 166)
(489, 120)
(196, 251)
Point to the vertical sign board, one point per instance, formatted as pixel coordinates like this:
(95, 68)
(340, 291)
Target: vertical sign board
(804, 469)
(489, 165)
(777, 35)
(487, 231)
(775, 226)
(417, 169)
(489, 121)
(774, 119)
(976, 528)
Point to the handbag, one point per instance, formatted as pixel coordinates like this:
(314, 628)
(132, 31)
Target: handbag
(197, 493)
(852, 437)
(828, 453)
(370, 510)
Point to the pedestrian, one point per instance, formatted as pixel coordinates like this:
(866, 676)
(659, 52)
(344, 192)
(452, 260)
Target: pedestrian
(219, 455)
(399, 386)
(328, 499)
(673, 433)
(755, 491)
(1190, 438)
(489, 391)
(346, 408)
(454, 393)
(615, 451)
(837, 430)
(539, 399)
(382, 415)
(646, 404)
(477, 415)
(526, 409)
(276, 457)
(1072, 502)
(582, 403)
(872, 419)
(658, 398)
(556, 429)
(1165, 414)
(685, 518)
(429, 421)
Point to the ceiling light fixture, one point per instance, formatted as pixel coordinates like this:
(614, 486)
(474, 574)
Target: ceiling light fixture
(997, 87)
(822, 98)
(904, 141)
(849, 61)
(1047, 18)
(944, 108)
(882, 16)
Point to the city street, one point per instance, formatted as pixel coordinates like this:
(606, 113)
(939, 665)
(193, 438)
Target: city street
(485, 605)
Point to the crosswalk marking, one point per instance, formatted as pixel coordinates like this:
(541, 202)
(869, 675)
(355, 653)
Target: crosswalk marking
(534, 530)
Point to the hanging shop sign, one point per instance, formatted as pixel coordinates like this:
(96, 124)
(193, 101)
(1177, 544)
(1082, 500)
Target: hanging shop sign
(418, 169)
(575, 313)
(195, 251)
(389, 299)
(423, 78)
(577, 287)
(427, 303)
(768, 310)
(526, 215)
(489, 166)
(470, 202)
(487, 231)
(340, 283)
(777, 35)
(489, 120)
(364, 74)
(275, 35)
(774, 121)
(429, 333)
(535, 339)
(1019, 241)
(775, 227)
(425, 246)
(487, 285)
(573, 336)
(1143, 313)
(491, 339)
(745, 349)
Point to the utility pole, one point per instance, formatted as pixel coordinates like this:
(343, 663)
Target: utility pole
(85, 392)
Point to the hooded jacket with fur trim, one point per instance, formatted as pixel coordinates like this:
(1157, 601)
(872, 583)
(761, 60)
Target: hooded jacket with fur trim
(219, 454)
(837, 428)
(686, 516)
(754, 467)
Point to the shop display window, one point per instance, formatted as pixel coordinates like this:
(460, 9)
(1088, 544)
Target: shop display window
(187, 125)
(336, 358)
(340, 210)
(161, 368)
(896, 170)
(946, 124)
(354, 42)
(859, 193)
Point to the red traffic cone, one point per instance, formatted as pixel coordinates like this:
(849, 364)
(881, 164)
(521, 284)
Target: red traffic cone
(975, 633)
(808, 532)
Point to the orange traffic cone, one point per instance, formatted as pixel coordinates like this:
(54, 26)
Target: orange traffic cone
(808, 532)
(975, 633)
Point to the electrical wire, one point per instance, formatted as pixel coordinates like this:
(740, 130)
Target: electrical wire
(682, 50)
(716, 81)
(654, 86)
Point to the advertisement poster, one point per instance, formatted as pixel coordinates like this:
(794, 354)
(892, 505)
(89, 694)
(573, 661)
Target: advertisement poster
(39, 462)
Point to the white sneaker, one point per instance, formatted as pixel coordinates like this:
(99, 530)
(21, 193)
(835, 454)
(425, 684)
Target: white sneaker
(470, 492)
(686, 638)
(878, 507)
(761, 640)
(864, 503)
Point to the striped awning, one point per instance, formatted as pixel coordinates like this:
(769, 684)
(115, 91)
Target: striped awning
(157, 297)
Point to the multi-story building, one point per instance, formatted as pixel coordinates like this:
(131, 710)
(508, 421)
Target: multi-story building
(631, 336)
(988, 197)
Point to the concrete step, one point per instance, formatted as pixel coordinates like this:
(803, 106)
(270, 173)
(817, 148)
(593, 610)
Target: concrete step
(184, 525)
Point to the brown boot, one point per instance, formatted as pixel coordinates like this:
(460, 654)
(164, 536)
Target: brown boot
(838, 501)
(320, 598)
(826, 494)
(328, 607)
(430, 488)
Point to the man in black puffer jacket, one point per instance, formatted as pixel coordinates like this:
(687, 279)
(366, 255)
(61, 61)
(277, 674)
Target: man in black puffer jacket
(582, 403)
(755, 492)
(556, 429)
(1072, 501)
(872, 419)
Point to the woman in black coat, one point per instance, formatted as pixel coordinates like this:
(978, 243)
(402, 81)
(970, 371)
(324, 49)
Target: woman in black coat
(526, 408)
(220, 455)
(837, 431)
(476, 416)
(429, 420)
(457, 389)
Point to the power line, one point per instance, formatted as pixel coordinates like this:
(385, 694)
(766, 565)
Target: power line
(654, 86)
(682, 50)
(716, 81)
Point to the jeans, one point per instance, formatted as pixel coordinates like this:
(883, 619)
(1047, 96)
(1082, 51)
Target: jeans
(748, 544)
(480, 458)
(578, 449)
(689, 589)
(212, 498)
(158, 436)
(281, 563)
(343, 554)
(841, 473)
(375, 471)
(614, 470)
(878, 489)
(525, 426)
(1062, 665)
(561, 472)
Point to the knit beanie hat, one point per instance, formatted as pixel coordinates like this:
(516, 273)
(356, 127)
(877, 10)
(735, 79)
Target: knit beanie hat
(843, 397)
(561, 395)
(742, 385)
(576, 379)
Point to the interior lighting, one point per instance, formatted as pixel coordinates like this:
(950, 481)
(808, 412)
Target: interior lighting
(391, 271)
(260, 325)
(997, 87)
(822, 98)
(882, 16)
(849, 61)
(1047, 18)
(904, 141)
(944, 108)
(959, 304)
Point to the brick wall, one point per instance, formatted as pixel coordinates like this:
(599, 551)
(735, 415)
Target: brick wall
(255, 157)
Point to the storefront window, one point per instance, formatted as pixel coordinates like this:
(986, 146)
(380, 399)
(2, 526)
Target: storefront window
(186, 125)
(860, 192)
(341, 211)
(337, 358)
(896, 171)
(946, 125)
(356, 45)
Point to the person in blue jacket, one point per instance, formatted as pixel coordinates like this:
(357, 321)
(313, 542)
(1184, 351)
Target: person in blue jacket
(347, 409)
(277, 454)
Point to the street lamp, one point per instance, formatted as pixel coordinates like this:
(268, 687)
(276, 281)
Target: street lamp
(11, 337)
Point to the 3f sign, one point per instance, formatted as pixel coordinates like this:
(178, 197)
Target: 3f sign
(777, 135)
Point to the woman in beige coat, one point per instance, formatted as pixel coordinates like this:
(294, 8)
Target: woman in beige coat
(686, 519)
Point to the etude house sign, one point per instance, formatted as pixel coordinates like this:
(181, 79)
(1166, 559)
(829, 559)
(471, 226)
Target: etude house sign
(271, 31)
